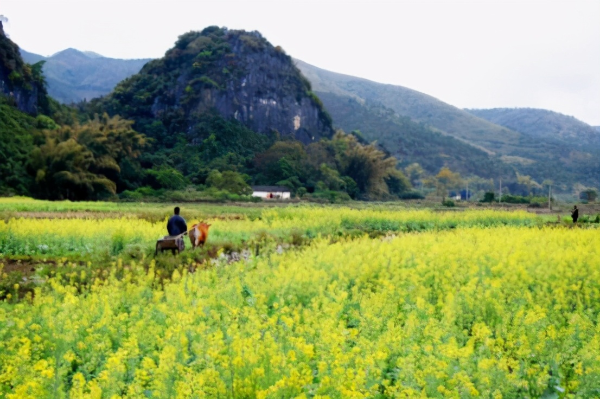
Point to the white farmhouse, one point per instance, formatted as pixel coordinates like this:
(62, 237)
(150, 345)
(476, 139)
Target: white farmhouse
(271, 192)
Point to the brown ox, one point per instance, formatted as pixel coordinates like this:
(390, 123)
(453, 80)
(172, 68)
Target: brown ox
(198, 234)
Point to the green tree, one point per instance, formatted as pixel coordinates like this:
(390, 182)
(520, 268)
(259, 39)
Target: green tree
(83, 161)
(365, 164)
(588, 195)
(168, 177)
(16, 142)
(397, 183)
(414, 172)
(447, 180)
(351, 187)
(331, 178)
(231, 181)
(281, 161)
(528, 182)
(62, 172)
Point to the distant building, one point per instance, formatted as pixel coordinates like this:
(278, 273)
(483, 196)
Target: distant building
(271, 192)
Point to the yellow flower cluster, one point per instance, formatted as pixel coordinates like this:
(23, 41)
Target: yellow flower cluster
(503, 312)
(60, 237)
(74, 236)
(84, 228)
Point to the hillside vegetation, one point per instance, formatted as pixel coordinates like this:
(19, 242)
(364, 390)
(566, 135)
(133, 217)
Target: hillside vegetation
(228, 101)
(22, 84)
(412, 142)
(418, 106)
(542, 124)
(16, 143)
(541, 156)
(234, 74)
(412, 126)
(73, 76)
(222, 110)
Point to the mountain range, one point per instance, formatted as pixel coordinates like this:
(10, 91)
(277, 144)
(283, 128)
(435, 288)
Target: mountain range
(412, 126)
(524, 150)
(542, 124)
(74, 75)
(223, 108)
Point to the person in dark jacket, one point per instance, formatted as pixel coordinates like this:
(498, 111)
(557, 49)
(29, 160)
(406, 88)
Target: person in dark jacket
(176, 224)
(575, 214)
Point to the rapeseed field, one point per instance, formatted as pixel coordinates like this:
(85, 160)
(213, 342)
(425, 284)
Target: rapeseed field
(86, 235)
(373, 304)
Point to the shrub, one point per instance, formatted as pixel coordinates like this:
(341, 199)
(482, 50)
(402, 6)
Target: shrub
(44, 122)
(540, 201)
(515, 199)
(169, 178)
(449, 203)
(334, 197)
(588, 195)
(233, 182)
(489, 197)
(300, 192)
(129, 195)
(411, 195)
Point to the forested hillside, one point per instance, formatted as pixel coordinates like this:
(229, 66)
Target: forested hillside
(21, 83)
(223, 109)
(413, 142)
(234, 74)
(227, 101)
(16, 143)
(418, 106)
(543, 158)
(542, 124)
(73, 76)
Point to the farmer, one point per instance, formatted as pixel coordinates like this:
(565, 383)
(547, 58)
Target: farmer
(176, 224)
(575, 214)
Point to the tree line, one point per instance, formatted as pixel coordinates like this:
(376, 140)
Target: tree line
(76, 156)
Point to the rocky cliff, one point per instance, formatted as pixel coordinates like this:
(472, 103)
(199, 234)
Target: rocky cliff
(20, 82)
(233, 73)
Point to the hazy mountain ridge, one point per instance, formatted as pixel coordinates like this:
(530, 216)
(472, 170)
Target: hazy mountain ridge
(416, 105)
(541, 157)
(541, 123)
(528, 151)
(411, 141)
(74, 75)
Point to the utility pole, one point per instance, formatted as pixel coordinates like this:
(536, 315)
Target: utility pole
(467, 190)
(500, 197)
(550, 197)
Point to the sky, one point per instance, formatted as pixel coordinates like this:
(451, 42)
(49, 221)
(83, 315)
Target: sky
(471, 54)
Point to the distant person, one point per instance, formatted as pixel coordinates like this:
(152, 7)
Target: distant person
(575, 214)
(176, 224)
